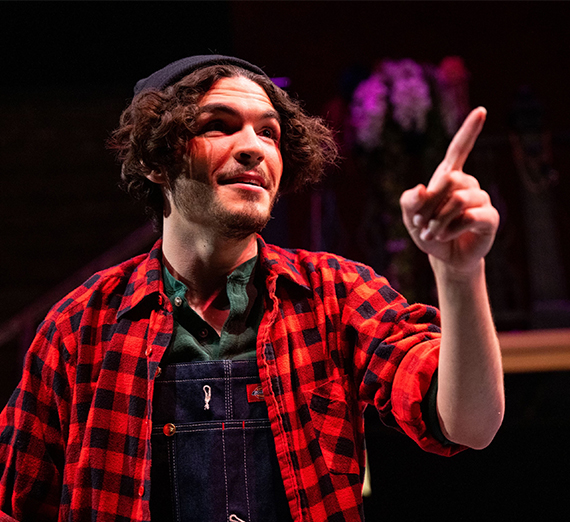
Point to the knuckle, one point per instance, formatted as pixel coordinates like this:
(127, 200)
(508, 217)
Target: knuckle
(458, 199)
(461, 179)
(473, 181)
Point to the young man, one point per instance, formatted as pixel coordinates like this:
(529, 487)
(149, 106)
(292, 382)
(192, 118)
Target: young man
(220, 378)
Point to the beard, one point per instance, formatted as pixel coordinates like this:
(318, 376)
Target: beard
(198, 203)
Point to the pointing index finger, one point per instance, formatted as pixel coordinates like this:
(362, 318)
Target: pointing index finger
(464, 140)
(456, 155)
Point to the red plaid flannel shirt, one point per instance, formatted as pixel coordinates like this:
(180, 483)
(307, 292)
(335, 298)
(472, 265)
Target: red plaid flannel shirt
(75, 435)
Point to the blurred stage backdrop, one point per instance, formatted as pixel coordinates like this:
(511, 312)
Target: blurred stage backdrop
(394, 79)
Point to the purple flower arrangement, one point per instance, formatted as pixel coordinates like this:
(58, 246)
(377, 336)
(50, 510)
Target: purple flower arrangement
(368, 111)
(406, 92)
(410, 96)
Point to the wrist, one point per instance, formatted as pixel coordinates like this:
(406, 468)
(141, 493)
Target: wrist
(447, 273)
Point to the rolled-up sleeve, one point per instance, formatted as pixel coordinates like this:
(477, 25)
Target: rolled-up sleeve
(396, 357)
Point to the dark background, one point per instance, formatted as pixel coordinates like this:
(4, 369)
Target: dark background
(66, 73)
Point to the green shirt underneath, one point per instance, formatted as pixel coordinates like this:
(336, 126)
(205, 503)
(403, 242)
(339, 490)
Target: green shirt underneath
(193, 339)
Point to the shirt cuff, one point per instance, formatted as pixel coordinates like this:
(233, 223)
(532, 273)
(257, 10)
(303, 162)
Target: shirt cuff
(429, 412)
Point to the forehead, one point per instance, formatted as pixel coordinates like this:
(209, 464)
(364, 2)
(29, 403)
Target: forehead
(237, 91)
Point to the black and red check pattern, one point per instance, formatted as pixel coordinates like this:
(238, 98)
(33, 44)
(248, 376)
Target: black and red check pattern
(75, 436)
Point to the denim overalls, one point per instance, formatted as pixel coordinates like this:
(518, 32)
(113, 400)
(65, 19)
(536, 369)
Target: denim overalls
(213, 455)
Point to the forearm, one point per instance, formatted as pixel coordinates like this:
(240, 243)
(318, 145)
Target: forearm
(470, 398)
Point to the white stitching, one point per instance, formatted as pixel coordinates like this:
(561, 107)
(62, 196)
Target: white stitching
(240, 378)
(226, 390)
(190, 428)
(172, 461)
(225, 475)
(230, 394)
(245, 473)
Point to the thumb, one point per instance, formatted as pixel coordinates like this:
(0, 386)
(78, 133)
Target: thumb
(411, 202)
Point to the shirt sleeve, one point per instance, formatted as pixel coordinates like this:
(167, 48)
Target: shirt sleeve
(31, 433)
(396, 357)
(429, 412)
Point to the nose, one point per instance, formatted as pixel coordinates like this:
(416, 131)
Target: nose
(248, 148)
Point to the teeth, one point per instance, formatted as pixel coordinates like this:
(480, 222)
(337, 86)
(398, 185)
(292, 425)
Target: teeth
(255, 183)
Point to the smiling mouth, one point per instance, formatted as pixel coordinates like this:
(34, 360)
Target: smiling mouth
(245, 179)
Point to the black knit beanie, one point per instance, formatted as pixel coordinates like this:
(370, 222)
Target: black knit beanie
(177, 70)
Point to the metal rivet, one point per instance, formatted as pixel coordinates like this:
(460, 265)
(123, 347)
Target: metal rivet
(178, 301)
(169, 429)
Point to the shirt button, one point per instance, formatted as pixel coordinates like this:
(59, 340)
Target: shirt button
(148, 351)
(158, 372)
(169, 429)
(178, 301)
(141, 491)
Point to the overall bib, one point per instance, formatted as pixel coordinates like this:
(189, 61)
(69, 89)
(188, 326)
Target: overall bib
(213, 454)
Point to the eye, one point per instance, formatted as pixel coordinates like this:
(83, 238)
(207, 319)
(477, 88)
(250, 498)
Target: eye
(214, 126)
(268, 132)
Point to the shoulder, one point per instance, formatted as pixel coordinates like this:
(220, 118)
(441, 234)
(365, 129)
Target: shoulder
(357, 284)
(103, 285)
(325, 264)
(90, 310)
(103, 293)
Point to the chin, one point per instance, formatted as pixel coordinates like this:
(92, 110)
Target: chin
(242, 225)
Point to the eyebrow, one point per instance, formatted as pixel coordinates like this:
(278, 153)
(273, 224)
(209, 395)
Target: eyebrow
(226, 109)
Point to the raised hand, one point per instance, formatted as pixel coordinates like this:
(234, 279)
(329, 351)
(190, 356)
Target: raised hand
(452, 219)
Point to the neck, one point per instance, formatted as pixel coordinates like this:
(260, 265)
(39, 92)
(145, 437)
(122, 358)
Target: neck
(202, 260)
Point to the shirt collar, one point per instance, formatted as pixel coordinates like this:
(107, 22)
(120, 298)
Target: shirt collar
(174, 288)
(145, 280)
(282, 262)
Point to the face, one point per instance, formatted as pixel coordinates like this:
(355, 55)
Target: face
(234, 160)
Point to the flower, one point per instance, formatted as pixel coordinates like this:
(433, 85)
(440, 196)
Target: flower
(410, 96)
(368, 111)
(452, 70)
(452, 80)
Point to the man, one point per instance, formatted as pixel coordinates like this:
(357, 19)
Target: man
(240, 370)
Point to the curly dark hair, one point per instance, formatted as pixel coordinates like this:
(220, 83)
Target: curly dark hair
(155, 128)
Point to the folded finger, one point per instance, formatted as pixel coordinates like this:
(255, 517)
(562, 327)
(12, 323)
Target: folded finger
(439, 195)
(479, 220)
(455, 205)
